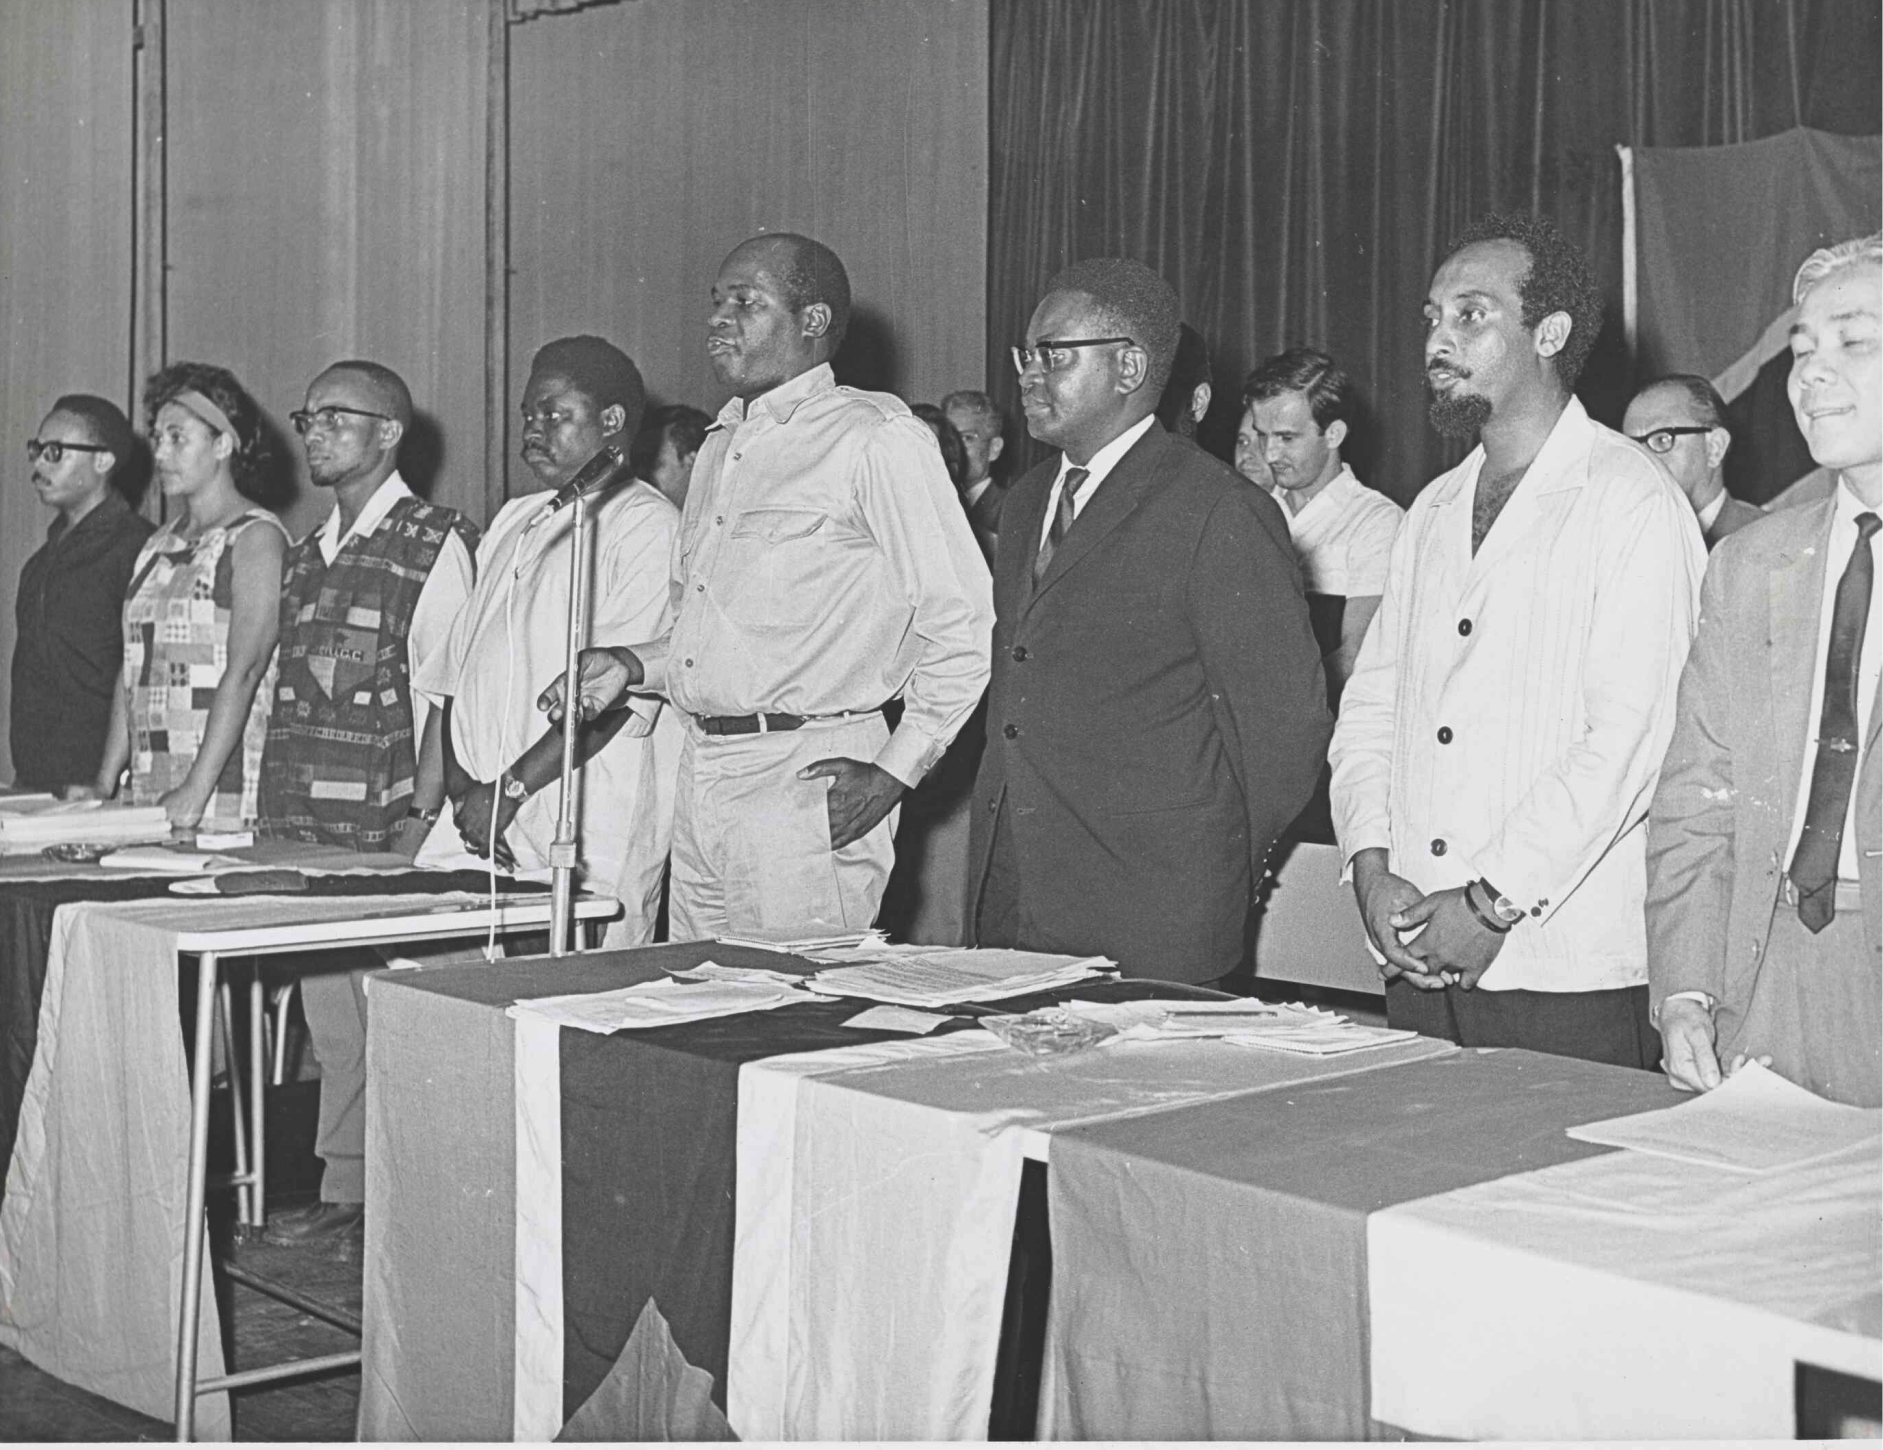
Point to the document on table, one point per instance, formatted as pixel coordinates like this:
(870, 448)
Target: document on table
(816, 946)
(658, 1004)
(949, 975)
(1319, 1039)
(88, 820)
(168, 861)
(1755, 1121)
(896, 1019)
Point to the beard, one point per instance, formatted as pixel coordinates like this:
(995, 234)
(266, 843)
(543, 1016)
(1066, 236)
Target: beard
(1459, 415)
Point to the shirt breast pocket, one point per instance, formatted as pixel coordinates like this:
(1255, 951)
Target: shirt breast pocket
(779, 564)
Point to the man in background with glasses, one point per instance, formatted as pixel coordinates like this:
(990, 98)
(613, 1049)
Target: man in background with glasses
(353, 757)
(1157, 714)
(1681, 420)
(70, 641)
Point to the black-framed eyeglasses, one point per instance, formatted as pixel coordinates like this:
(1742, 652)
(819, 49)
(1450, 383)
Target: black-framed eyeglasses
(54, 449)
(1053, 353)
(329, 418)
(1661, 440)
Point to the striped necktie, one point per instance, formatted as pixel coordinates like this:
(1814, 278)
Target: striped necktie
(1062, 521)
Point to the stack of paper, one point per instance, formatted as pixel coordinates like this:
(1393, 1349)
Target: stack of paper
(15, 802)
(816, 946)
(658, 1004)
(941, 976)
(713, 972)
(167, 861)
(90, 821)
(1755, 1121)
(1318, 1039)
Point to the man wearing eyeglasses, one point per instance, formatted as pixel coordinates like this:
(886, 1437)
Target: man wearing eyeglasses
(1681, 420)
(353, 756)
(70, 640)
(1157, 714)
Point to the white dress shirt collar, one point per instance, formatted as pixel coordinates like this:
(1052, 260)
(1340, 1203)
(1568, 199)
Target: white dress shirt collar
(370, 517)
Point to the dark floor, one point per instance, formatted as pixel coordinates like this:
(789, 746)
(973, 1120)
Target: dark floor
(35, 1406)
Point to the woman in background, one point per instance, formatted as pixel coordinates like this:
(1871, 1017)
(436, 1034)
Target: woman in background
(200, 619)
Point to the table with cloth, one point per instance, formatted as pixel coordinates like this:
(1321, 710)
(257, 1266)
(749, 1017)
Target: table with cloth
(1424, 1249)
(95, 1115)
(786, 1192)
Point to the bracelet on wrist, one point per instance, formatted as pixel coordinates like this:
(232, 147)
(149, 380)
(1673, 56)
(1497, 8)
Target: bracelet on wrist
(419, 813)
(1487, 920)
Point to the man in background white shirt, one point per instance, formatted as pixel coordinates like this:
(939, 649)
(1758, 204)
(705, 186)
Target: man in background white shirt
(1300, 406)
(1763, 843)
(1499, 738)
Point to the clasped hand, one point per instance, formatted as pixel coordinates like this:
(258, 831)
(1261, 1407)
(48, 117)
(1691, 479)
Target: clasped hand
(603, 676)
(1451, 948)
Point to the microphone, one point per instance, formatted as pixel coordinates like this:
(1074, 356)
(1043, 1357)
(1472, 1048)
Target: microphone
(601, 472)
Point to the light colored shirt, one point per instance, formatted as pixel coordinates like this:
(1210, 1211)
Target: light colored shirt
(1508, 711)
(1837, 552)
(1343, 536)
(972, 493)
(1101, 463)
(1711, 510)
(824, 565)
(439, 599)
(507, 645)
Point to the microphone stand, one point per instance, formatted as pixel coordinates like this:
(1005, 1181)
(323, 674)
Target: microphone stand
(563, 850)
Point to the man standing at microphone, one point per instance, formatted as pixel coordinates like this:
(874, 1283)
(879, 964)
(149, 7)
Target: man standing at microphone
(824, 568)
(501, 764)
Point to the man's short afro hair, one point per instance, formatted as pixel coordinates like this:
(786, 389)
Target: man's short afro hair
(1138, 302)
(1558, 281)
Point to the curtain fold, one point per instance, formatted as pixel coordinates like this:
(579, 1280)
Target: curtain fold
(1295, 169)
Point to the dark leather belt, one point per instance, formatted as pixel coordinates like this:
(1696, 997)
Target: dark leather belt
(764, 724)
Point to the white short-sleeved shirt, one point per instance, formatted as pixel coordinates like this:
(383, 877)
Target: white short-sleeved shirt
(1344, 537)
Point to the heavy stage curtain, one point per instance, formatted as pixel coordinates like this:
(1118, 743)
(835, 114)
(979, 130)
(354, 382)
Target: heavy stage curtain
(1295, 169)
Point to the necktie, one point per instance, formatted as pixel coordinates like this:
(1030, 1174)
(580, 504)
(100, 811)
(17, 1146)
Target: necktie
(1814, 865)
(1062, 521)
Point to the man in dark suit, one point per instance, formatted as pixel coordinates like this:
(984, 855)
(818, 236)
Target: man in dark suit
(1157, 714)
(1681, 420)
(1764, 883)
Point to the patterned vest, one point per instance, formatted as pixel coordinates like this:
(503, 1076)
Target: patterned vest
(341, 763)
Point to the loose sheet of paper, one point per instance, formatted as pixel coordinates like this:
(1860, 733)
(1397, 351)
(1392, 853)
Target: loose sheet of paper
(1755, 1121)
(658, 1004)
(896, 1019)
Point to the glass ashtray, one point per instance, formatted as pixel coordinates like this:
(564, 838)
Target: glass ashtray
(1048, 1031)
(79, 853)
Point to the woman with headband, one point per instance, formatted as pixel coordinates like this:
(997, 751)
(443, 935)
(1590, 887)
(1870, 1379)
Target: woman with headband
(200, 619)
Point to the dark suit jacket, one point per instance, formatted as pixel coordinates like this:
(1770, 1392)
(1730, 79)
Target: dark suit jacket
(984, 517)
(1722, 812)
(1157, 714)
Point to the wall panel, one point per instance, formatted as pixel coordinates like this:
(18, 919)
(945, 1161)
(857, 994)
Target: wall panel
(327, 201)
(65, 244)
(649, 138)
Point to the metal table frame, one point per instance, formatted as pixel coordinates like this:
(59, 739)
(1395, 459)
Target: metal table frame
(369, 927)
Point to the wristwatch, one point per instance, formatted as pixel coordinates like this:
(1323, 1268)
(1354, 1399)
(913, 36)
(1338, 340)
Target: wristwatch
(1506, 910)
(515, 790)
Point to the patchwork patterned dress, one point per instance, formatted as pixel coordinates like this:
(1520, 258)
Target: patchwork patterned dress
(176, 646)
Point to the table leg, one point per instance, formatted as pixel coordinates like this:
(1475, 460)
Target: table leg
(195, 1229)
(225, 1012)
(257, 1013)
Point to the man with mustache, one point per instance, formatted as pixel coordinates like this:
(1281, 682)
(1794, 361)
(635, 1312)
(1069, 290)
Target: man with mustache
(352, 758)
(502, 767)
(1499, 738)
(1763, 854)
(824, 567)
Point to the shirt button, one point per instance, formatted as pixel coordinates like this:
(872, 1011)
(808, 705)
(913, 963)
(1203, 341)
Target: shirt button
(689, 664)
(994, 804)
(699, 588)
(1019, 654)
(1012, 732)
(1444, 735)
(720, 520)
(738, 455)
(1438, 846)
(1464, 626)
(1536, 911)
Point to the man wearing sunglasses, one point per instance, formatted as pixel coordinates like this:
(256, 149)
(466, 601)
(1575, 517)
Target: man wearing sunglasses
(70, 640)
(1681, 420)
(353, 756)
(1157, 714)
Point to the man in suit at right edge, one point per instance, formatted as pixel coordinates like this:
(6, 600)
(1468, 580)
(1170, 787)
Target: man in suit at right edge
(1157, 714)
(1763, 889)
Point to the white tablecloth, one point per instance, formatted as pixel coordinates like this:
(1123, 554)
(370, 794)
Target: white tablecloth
(1625, 1296)
(876, 1209)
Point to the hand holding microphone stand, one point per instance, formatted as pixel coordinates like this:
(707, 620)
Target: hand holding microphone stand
(602, 472)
